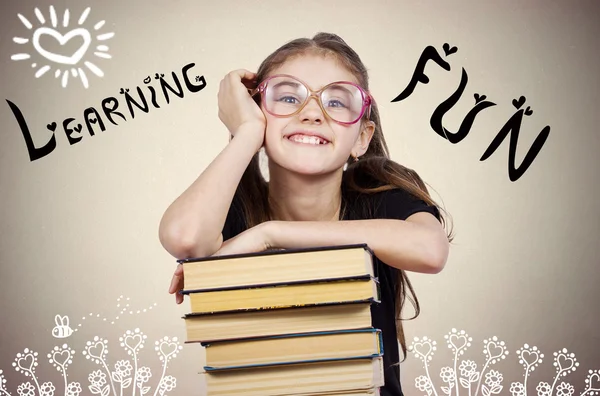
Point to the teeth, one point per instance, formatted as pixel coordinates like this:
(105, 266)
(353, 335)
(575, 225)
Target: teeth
(308, 139)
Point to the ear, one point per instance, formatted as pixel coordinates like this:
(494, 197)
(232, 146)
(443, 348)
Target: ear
(364, 138)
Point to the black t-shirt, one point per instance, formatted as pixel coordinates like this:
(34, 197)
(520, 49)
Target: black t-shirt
(391, 204)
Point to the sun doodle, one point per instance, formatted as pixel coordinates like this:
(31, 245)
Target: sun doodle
(66, 65)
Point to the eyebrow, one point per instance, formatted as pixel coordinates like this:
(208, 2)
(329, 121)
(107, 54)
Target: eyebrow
(287, 83)
(340, 87)
(293, 84)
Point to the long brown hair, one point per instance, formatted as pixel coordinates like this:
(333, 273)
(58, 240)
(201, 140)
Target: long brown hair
(374, 172)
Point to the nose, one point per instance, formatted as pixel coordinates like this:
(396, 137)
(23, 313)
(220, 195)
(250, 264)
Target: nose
(312, 110)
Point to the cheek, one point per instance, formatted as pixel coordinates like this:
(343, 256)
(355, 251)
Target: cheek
(275, 127)
(346, 137)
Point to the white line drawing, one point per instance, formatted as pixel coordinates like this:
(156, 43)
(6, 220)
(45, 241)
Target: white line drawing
(466, 375)
(104, 380)
(89, 39)
(63, 329)
(61, 358)
(68, 60)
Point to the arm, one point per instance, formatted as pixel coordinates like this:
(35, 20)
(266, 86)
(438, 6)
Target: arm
(192, 225)
(417, 244)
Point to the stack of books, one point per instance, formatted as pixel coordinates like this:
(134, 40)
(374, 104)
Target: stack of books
(286, 322)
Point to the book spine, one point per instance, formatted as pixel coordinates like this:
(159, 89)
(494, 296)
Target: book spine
(280, 284)
(288, 363)
(304, 334)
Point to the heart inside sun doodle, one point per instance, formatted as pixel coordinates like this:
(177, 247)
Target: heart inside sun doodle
(63, 45)
(71, 47)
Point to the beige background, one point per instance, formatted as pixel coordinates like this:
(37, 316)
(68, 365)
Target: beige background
(79, 227)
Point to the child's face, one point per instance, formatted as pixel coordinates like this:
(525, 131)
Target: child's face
(344, 140)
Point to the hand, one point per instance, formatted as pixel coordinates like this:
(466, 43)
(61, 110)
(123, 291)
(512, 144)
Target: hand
(236, 107)
(177, 284)
(252, 240)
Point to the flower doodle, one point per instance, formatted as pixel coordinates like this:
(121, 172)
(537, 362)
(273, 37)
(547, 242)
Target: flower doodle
(103, 380)
(465, 374)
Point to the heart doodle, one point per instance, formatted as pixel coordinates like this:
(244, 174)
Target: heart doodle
(526, 356)
(98, 347)
(448, 50)
(62, 39)
(52, 126)
(419, 344)
(479, 98)
(134, 341)
(519, 103)
(494, 350)
(92, 120)
(564, 363)
(29, 362)
(78, 128)
(110, 101)
(456, 345)
(528, 111)
(168, 348)
(62, 358)
(595, 385)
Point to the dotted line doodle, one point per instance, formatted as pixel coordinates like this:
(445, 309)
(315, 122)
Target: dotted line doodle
(63, 329)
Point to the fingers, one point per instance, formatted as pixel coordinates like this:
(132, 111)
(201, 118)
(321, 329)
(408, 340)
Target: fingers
(233, 79)
(177, 284)
(236, 106)
(243, 74)
(177, 280)
(179, 269)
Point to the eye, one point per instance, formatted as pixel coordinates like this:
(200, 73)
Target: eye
(289, 99)
(335, 103)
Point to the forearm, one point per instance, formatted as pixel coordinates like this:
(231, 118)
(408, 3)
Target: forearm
(193, 223)
(401, 244)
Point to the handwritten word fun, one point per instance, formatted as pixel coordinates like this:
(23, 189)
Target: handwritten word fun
(512, 126)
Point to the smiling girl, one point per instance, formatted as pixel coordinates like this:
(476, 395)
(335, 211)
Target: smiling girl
(331, 181)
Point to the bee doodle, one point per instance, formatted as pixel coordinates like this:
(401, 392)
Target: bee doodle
(62, 328)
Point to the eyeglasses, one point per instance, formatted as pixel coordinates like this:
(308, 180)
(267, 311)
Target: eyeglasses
(344, 102)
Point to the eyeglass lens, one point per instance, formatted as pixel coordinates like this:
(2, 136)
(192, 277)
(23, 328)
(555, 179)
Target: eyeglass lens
(343, 102)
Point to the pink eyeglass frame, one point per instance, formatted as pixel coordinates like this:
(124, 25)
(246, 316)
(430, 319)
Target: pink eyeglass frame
(367, 98)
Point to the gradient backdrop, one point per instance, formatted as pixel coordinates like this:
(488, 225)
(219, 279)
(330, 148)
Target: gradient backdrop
(78, 232)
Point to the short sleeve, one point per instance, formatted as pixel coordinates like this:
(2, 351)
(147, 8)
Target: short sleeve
(400, 204)
(235, 222)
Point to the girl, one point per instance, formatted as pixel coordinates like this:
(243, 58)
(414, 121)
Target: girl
(328, 161)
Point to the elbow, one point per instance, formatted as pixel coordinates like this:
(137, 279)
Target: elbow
(436, 256)
(175, 243)
(432, 252)
(182, 243)
(435, 265)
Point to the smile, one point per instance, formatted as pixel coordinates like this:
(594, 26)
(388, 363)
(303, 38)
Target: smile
(305, 139)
